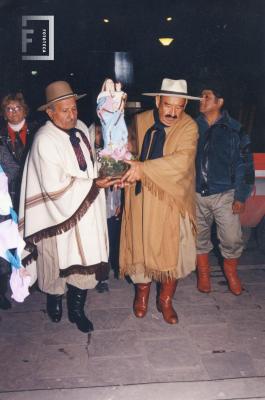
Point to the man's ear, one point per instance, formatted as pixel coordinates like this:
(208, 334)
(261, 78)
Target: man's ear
(157, 100)
(221, 102)
(49, 112)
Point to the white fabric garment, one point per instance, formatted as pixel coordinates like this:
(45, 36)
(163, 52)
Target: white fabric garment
(20, 281)
(9, 240)
(5, 199)
(17, 127)
(53, 190)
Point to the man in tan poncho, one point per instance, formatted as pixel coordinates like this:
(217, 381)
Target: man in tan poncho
(158, 227)
(62, 208)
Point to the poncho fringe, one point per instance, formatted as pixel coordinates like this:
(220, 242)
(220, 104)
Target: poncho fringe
(163, 196)
(32, 256)
(60, 228)
(101, 270)
(70, 222)
(160, 276)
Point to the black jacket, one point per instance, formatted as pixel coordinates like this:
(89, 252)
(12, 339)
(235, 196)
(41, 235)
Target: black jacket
(224, 160)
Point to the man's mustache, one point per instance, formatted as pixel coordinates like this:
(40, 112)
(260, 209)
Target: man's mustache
(171, 116)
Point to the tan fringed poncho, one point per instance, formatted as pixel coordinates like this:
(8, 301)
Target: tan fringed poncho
(150, 235)
(61, 202)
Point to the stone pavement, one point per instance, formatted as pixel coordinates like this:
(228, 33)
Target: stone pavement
(217, 351)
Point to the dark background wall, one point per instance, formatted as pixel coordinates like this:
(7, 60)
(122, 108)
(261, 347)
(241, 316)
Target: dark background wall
(224, 39)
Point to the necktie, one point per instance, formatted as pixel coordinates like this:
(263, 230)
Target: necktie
(75, 141)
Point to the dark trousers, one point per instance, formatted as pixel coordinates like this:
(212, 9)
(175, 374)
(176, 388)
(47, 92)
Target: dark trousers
(5, 271)
(114, 228)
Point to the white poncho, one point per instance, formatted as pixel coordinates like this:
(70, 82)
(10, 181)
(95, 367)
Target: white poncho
(59, 200)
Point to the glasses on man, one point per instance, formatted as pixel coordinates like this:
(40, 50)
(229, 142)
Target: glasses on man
(13, 109)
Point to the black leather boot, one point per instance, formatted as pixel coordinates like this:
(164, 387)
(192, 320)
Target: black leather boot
(4, 302)
(54, 307)
(76, 299)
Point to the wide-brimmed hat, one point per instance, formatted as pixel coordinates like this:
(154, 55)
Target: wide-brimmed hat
(56, 91)
(175, 88)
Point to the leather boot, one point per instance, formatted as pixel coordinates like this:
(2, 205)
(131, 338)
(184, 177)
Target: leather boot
(140, 303)
(76, 299)
(164, 301)
(54, 307)
(4, 302)
(230, 270)
(203, 273)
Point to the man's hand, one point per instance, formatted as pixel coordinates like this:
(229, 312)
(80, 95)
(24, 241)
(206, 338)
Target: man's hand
(134, 174)
(238, 207)
(117, 212)
(107, 182)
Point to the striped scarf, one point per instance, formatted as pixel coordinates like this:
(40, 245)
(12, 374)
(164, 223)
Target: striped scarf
(75, 142)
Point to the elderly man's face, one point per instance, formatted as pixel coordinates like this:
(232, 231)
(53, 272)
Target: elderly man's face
(170, 109)
(64, 113)
(14, 112)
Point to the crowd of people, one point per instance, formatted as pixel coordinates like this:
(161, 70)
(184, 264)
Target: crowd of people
(152, 224)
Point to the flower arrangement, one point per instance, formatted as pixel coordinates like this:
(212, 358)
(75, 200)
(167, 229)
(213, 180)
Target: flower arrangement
(112, 161)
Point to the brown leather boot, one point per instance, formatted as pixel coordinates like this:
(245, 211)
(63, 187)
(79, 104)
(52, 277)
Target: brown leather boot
(230, 269)
(164, 301)
(203, 273)
(140, 303)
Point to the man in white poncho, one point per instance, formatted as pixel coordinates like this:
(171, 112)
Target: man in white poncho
(62, 208)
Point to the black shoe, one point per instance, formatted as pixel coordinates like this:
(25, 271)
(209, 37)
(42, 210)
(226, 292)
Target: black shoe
(76, 299)
(4, 302)
(54, 307)
(102, 287)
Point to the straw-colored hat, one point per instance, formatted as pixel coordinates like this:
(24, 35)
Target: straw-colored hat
(56, 91)
(175, 88)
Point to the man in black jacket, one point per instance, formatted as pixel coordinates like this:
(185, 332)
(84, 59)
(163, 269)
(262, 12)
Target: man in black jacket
(225, 175)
